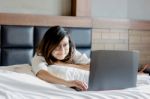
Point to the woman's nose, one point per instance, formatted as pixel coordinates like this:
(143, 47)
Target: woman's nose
(61, 48)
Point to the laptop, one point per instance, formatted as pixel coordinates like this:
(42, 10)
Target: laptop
(112, 70)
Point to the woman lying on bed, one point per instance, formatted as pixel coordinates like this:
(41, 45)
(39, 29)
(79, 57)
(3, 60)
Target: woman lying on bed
(55, 52)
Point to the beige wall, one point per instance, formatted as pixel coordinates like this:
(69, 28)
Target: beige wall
(126, 9)
(50, 7)
(109, 8)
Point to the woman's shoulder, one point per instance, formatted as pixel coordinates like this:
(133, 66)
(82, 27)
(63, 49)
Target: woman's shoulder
(80, 58)
(38, 57)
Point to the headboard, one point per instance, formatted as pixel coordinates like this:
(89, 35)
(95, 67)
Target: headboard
(18, 42)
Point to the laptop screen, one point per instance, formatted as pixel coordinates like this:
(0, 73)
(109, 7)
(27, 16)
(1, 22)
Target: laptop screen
(111, 69)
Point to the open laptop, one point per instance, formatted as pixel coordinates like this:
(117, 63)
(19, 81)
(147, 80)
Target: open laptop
(112, 70)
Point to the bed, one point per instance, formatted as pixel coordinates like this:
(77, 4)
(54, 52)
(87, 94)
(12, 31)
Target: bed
(17, 47)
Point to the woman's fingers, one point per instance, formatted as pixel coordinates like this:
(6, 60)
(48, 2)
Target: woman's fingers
(80, 85)
(86, 86)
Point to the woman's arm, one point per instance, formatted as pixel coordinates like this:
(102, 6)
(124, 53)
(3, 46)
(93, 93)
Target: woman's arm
(79, 66)
(39, 67)
(80, 58)
(81, 61)
(46, 76)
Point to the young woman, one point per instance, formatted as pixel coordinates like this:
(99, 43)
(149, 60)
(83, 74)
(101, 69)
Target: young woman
(56, 50)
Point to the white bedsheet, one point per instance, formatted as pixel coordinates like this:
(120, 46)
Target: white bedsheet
(19, 68)
(24, 86)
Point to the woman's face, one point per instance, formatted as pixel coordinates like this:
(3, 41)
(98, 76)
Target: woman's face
(62, 50)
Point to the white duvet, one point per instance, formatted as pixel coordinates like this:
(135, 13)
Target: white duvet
(15, 85)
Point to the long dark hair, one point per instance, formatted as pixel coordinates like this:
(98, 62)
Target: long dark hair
(50, 41)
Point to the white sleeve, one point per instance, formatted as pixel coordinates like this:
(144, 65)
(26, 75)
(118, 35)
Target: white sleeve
(80, 58)
(38, 63)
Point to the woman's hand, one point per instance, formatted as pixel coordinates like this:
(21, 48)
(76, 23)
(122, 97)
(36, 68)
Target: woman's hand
(76, 84)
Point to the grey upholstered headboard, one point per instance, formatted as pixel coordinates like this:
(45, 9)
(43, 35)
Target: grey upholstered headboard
(18, 43)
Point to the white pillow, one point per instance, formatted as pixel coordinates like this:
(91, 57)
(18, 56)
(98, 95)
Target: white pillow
(69, 73)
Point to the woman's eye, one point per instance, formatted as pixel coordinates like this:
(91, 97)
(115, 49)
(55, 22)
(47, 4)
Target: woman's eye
(65, 45)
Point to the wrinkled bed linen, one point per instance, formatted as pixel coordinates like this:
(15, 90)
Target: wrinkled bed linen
(24, 86)
(67, 73)
(19, 68)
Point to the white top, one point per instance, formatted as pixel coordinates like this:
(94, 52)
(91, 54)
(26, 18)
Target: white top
(39, 63)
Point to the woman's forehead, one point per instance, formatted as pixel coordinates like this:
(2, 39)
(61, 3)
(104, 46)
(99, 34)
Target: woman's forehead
(65, 39)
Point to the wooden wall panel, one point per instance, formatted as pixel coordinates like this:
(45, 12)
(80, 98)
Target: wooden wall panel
(121, 23)
(81, 8)
(44, 20)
